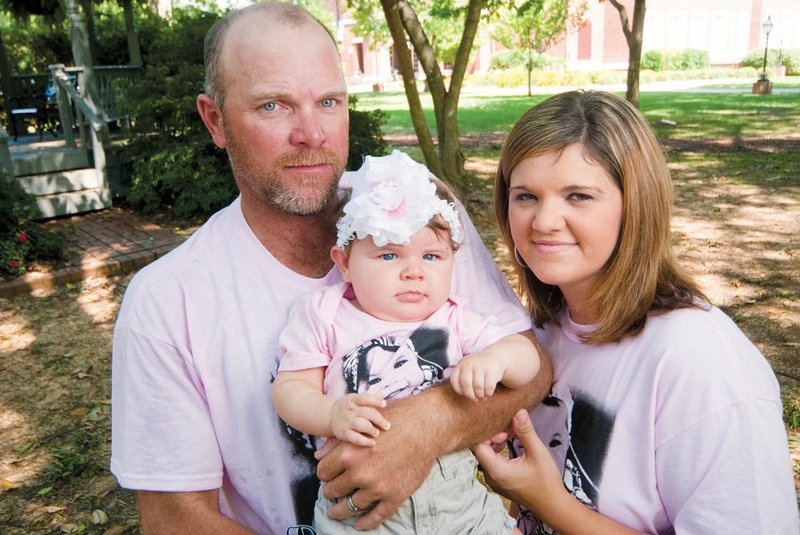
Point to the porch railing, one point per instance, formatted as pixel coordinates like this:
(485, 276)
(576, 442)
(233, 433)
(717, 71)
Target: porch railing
(6, 166)
(74, 111)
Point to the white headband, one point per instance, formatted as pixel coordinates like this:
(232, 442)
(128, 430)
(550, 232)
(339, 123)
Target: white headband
(392, 197)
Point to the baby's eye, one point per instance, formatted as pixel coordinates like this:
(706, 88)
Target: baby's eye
(430, 257)
(389, 256)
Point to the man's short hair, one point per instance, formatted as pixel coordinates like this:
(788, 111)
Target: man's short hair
(278, 13)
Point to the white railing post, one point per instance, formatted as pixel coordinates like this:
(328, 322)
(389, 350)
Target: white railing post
(64, 106)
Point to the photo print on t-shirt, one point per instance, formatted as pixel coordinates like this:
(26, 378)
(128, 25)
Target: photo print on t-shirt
(577, 430)
(304, 481)
(392, 367)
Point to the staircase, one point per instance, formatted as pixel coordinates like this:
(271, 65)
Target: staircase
(69, 175)
(63, 180)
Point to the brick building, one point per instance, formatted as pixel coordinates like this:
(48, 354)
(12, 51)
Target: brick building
(727, 29)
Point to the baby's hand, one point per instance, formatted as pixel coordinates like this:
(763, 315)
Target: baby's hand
(356, 419)
(477, 375)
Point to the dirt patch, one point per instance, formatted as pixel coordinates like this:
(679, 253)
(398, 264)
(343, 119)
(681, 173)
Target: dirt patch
(55, 412)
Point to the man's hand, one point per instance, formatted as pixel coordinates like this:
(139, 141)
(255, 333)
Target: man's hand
(386, 474)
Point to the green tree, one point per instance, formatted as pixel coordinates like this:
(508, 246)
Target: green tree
(534, 26)
(320, 12)
(633, 30)
(440, 32)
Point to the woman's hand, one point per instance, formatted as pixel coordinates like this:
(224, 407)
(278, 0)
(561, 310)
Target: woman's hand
(532, 479)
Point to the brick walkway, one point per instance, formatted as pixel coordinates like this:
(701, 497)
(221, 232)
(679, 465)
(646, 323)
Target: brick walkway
(112, 241)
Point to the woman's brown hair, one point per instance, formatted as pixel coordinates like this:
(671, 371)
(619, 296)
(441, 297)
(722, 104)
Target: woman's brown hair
(642, 275)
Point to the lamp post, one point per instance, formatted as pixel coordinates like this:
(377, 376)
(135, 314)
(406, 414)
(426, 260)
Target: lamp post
(767, 27)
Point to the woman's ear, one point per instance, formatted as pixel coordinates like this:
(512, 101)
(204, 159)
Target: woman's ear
(340, 258)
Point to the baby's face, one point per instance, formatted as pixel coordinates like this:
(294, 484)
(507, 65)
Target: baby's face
(401, 282)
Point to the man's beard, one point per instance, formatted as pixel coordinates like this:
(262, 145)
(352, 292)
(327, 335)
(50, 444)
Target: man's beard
(269, 188)
(293, 202)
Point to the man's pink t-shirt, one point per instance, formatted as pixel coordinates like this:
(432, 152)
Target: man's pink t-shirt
(195, 353)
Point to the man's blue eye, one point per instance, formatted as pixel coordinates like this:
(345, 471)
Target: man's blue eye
(270, 106)
(328, 103)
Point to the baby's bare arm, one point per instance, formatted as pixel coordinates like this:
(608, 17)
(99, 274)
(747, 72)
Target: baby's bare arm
(298, 399)
(513, 361)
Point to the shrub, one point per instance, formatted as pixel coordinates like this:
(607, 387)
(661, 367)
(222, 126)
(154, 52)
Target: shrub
(548, 78)
(693, 58)
(577, 78)
(509, 59)
(366, 134)
(516, 77)
(652, 60)
(22, 240)
(488, 78)
(506, 59)
(790, 58)
(171, 160)
(40, 41)
(675, 60)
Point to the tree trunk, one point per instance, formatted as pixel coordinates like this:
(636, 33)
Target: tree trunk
(633, 35)
(445, 100)
(529, 64)
(427, 59)
(6, 82)
(134, 49)
(406, 68)
(81, 54)
(91, 29)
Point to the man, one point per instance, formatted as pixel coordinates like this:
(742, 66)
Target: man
(196, 342)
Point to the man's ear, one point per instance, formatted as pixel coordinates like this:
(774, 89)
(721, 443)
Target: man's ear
(340, 258)
(212, 118)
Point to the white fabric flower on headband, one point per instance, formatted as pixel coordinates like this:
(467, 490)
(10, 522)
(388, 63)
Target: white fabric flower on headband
(392, 197)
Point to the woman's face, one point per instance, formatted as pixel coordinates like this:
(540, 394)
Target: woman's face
(565, 216)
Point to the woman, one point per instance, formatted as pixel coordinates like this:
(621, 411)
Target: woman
(663, 418)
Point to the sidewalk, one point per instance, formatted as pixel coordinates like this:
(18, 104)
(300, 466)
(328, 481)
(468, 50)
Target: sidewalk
(111, 241)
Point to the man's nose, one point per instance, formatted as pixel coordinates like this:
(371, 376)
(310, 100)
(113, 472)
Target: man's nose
(307, 129)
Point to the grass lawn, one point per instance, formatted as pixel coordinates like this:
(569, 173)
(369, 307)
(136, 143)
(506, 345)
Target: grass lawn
(697, 114)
